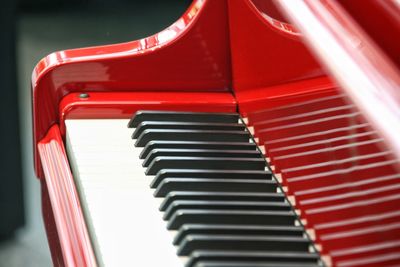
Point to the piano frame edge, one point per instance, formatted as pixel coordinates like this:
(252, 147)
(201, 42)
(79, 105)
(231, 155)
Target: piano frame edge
(75, 248)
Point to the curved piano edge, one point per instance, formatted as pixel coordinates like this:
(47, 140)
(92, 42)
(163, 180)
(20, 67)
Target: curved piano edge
(133, 48)
(286, 29)
(164, 61)
(71, 228)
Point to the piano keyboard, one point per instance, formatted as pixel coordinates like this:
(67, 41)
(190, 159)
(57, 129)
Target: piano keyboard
(191, 190)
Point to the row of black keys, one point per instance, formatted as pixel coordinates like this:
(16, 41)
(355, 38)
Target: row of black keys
(217, 193)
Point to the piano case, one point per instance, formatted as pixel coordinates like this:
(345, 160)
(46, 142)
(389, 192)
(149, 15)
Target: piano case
(316, 83)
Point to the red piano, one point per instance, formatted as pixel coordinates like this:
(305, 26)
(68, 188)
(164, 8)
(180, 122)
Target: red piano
(248, 133)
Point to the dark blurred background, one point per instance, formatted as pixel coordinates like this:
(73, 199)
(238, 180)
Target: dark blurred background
(31, 29)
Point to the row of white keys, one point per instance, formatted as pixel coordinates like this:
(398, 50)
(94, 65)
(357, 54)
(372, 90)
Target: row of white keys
(122, 215)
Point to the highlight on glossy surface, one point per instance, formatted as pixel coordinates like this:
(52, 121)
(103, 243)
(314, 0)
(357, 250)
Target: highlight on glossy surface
(366, 74)
(191, 55)
(275, 19)
(71, 227)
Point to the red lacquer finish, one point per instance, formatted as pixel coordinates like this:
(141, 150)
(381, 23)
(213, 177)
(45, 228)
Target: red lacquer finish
(51, 229)
(383, 30)
(344, 180)
(257, 99)
(124, 104)
(328, 150)
(71, 227)
(363, 70)
(190, 55)
(264, 51)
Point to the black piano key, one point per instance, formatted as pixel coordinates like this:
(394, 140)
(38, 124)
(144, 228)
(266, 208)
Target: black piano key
(228, 229)
(242, 243)
(151, 115)
(214, 185)
(187, 126)
(168, 152)
(253, 264)
(222, 196)
(224, 205)
(252, 257)
(209, 163)
(226, 209)
(230, 174)
(195, 145)
(191, 135)
(230, 217)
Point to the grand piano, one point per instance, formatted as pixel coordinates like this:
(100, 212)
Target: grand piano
(248, 133)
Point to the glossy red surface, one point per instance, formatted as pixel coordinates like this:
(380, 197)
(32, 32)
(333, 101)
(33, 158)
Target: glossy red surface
(51, 229)
(257, 99)
(383, 30)
(336, 167)
(264, 51)
(193, 64)
(190, 55)
(361, 68)
(124, 104)
(69, 220)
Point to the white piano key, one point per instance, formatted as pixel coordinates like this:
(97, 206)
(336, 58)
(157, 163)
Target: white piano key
(122, 215)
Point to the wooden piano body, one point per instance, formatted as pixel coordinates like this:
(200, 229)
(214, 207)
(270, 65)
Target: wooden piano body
(342, 72)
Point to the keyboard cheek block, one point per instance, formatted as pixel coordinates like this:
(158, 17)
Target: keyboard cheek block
(217, 194)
